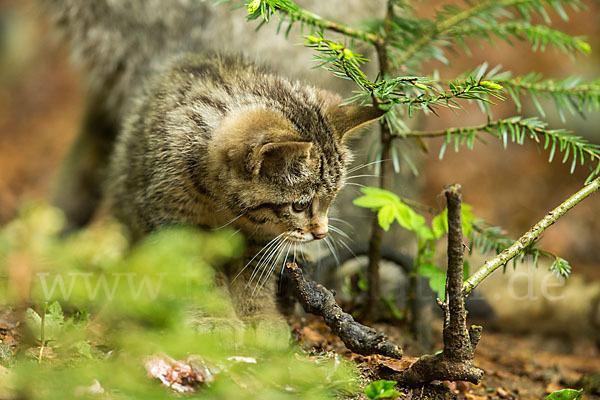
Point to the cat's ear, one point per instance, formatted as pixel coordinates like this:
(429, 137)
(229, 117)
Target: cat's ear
(348, 119)
(276, 157)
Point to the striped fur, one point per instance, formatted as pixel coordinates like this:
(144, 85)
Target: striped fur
(185, 153)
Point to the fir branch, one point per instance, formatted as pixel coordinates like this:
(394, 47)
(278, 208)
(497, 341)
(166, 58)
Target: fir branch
(517, 129)
(268, 8)
(345, 63)
(530, 237)
(452, 17)
(322, 23)
(539, 36)
(570, 93)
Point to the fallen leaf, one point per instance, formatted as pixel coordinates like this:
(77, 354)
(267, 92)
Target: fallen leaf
(463, 387)
(396, 365)
(503, 393)
(312, 337)
(177, 375)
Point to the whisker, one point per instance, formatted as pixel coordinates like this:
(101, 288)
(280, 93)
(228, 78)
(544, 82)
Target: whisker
(347, 247)
(234, 233)
(253, 232)
(267, 272)
(302, 252)
(339, 231)
(364, 165)
(333, 252)
(283, 264)
(229, 223)
(264, 266)
(362, 176)
(295, 246)
(267, 261)
(353, 184)
(256, 255)
(342, 221)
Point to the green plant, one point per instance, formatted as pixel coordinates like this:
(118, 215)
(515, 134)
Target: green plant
(143, 303)
(382, 389)
(566, 394)
(52, 329)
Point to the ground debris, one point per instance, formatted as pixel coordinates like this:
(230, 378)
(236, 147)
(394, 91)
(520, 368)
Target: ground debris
(181, 376)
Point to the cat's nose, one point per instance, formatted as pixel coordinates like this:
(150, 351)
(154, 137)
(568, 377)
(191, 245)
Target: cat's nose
(318, 226)
(320, 234)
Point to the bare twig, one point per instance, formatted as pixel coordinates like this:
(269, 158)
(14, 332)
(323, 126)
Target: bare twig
(385, 182)
(532, 235)
(317, 299)
(42, 333)
(455, 362)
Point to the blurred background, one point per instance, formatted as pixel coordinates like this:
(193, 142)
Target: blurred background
(42, 99)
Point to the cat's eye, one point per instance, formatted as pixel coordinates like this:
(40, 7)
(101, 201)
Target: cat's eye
(300, 206)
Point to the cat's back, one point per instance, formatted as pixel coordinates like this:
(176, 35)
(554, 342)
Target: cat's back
(117, 41)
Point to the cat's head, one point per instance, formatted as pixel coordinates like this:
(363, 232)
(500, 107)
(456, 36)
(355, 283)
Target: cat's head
(281, 171)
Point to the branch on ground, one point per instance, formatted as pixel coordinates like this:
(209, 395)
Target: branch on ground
(317, 299)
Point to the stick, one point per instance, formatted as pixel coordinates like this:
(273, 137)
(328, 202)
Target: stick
(317, 299)
(455, 362)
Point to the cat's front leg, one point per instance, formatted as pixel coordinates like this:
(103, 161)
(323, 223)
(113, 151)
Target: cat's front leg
(254, 296)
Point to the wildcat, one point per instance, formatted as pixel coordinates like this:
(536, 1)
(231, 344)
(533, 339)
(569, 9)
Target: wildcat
(202, 137)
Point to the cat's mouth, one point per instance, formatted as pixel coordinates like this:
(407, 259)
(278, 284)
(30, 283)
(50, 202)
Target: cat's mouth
(299, 237)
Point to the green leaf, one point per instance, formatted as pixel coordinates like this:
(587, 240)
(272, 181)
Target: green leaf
(386, 216)
(466, 268)
(363, 282)
(437, 278)
(83, 348)
(468, 218)
(382, 390)
(566, 394)
(491, 85)
(439, 225)
(375, 198)
(424, 232)
(253, 6)
(34, 322)
(391, 305)
(390, 207)
(428, 270)
(438, 285)
(53, 323)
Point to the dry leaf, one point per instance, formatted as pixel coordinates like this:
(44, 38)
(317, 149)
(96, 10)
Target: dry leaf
(177, 375)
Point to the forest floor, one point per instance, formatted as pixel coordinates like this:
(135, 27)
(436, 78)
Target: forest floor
(515, 366)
